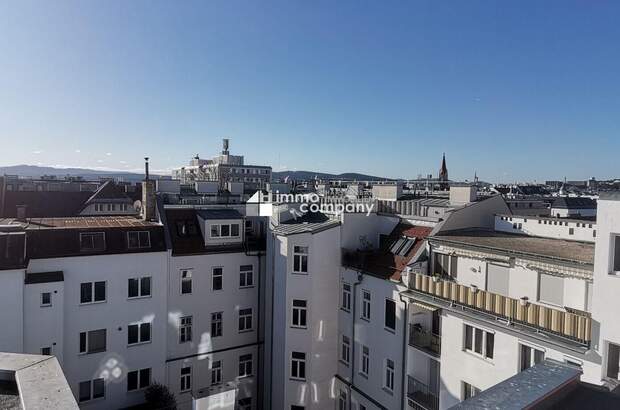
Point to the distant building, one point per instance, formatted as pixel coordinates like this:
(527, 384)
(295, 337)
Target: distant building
(571, 207)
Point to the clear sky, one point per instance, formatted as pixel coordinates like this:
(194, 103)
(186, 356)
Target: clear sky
(513, 90)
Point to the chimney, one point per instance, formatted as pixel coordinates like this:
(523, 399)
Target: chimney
(149, 206)
(21, 213)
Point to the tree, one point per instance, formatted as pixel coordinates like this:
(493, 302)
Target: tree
(158, 396)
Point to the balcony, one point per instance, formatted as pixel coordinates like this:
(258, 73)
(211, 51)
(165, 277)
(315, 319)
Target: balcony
(421, 396)
(424, 340)
(576, 327)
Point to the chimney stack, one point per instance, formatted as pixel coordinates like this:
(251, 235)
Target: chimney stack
(149, 202)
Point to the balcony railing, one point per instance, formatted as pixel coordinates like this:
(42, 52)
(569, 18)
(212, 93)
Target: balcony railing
(573, 326)
(421, 395)
(425, 340)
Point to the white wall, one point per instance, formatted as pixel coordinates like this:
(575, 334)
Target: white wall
(11, 310)
(45, 325)
(547, 227)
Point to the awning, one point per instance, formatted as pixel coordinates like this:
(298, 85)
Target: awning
(425, 306)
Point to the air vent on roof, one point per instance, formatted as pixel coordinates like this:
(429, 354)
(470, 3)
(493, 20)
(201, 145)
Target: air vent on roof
(402, 246)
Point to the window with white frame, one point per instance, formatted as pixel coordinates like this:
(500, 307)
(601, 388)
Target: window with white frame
(138, 239)
(300, 259)
(529, 356)
(216, 324)
(345, 303)
(139, 287)
(479, 342)
(138, 333)
(245, 320)
(365, 365)
(551, 289)
(185, 329)
(468, 391)
(388, 380)
(92, 292)
(225, 230)
(365, 304)
(299, 315)
(46, 299)
(93, 341)
(298, 366)
(216, 372)
(217, 278)
(186, 281)
(390, 315)
(92, 241)
(138, 379)
(246, 276)
(245, 365)
(345, 351)
(186, 378)
(91, 390)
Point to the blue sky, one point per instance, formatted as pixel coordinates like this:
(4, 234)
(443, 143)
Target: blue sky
(520, 90)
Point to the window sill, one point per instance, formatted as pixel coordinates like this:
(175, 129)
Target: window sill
(246, 331)
(97, 302)
(364, 375)
(246, 287)
(89, 401)
(342, 362)
(365, 319)
(44, 306)
(297, 379)
(139, 297)
(388, 329)
(479, 356)
(388, 391)
(299, 273)
(299, 327)
(345, 310)
(139, 343)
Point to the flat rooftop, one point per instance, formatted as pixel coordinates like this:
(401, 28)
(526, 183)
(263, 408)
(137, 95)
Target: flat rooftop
(78, 222)
(581, 253)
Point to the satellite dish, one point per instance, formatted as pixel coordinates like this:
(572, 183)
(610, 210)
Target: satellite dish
(137, 205)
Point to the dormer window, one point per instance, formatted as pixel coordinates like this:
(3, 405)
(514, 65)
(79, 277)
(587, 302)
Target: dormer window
(225, 230)
(138, 239)
(92, 241)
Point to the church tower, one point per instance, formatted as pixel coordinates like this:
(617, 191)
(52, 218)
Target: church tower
(443, 174)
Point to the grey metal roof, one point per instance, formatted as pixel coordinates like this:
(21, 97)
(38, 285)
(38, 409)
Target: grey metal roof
(581, 253)
(219, 214)
(44, 277)
(566, 202)
(524, 389)
(312, 222)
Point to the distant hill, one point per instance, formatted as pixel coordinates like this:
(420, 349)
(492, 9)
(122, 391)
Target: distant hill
(34, 171)
(306, 175)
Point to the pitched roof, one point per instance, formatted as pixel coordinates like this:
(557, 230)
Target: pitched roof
(42, 204)
(566, 202)
(393, 255)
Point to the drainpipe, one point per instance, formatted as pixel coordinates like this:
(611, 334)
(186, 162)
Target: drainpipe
(404, 360)
(360, 279)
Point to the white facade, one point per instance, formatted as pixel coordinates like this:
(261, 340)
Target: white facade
(569, 229)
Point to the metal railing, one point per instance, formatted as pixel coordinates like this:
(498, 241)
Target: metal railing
(421, 394)
(425, 340)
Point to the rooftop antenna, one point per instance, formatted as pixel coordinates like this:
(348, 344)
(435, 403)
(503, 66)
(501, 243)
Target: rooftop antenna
(146, 168)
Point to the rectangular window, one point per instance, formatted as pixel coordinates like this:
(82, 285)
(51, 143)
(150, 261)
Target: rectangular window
(245, 320)
(46, 299)
(139, 287)
(388, 382)
(616, 249)
(365, 305)
(469, 390)
(215, 231)
(245, 365)
(186, 281)
(365, 365)
(225, 231)
(46, 351)
(216, 372)
(138, 239)
(345, 350)
(246, 276)
(390, 314)
(216, 324)
(346, 297)
(217, 278)
(551, 289)
(92, 241)
(186, 378)
(91, 292)
(298, 366)
(93, 341)
(138, 333)
(91, 390)
(300, 259)
(479, 342)
(138, 379)
(530, 356)
(299, 316)
(185, 329)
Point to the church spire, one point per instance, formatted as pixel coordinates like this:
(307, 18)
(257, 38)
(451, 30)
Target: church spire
(443, 173)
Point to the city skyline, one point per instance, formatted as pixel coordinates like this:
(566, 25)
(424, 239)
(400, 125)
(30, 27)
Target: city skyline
(375, 89)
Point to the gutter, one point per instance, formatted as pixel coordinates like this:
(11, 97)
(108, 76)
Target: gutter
(360, 279)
